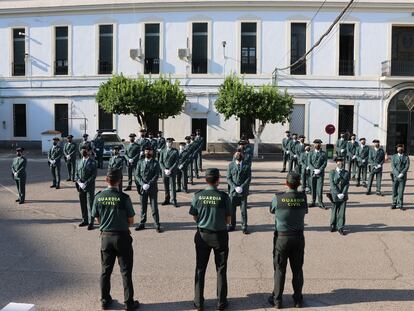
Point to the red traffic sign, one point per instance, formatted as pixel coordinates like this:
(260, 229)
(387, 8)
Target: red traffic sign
(330, 129)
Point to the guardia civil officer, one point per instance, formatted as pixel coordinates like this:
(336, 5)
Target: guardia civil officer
(53, 157)
(293, 157)
(132, 154)
(362, 155)
(304, 169)
(400, 164)
(143, 142)
(98, 145)
(117, 161)
(195, 146)
(247, 152)
(300, 148)
(376, 160)
(184, 159)
(285, 147)
(86, 170)
(115, 214)
(351, 150)
(87, 143)
(341, 145)
(339, 185)
(169, 166)
(146, 177)
(239, 176)
(160, 144)
(70, 152)
(317, 164)
(290, 209)
(153, 142)
(200, 141)
(18, 169)
(211, 210)
(190, 147)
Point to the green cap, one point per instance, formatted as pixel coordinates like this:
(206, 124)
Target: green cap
(114, 174)
(212, 172)
(293, 178)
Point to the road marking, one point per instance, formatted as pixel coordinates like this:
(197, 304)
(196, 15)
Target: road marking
(9, 190)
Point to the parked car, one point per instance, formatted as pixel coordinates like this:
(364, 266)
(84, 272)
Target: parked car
(111, 139)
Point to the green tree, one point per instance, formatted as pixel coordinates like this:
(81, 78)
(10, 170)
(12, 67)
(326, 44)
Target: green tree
(141, 97)
(262, 105)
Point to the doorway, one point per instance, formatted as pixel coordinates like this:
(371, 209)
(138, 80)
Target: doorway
(200, 124)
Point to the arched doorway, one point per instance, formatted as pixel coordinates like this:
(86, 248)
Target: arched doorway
(400, 128)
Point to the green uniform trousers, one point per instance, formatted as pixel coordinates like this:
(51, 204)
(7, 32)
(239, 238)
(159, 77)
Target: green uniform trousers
(21, 188)
(99, 158)
(117, 245)
(338, 215)
(317, 188)
(286, 247)
(352, 167)
(293, 163)
(153, 198)
(242, 202)
(131, 172)
(305, 179)
(378, 179)
(398, 187)
(205, 241)
(170, 187)
(182, 179)
(86, 198)
(71, 165)
(362, 174)
(285, 159)
(55, 170)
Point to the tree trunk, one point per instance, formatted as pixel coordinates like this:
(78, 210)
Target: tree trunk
(142, 121)
(257, 132)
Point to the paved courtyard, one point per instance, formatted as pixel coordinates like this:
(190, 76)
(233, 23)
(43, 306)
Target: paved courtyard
(46, 259)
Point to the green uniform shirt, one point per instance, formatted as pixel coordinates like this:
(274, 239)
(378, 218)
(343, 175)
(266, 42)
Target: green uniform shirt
(290, 209)
(211, 206)
(19, 166)
(113, 208)
(117, 162)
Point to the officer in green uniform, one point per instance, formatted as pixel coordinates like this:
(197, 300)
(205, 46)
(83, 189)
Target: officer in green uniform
(376, 161)
(247, 152)
(146, 177)
(190, 146)
(351, 150)
(117, 161)
(115, 214)
(317, 164)
(70, 151)
(99, 145)
(154, 143)
(169, 166)
(132, 154)
(285, 147)
(400, 163)
(211, 209)
(182, 173)
(87, 143)
(300, 148)
(18, 169)
(339, 185)
(293, 157)
(86, 170)
(290, 209)
(195, 146)
(362, 155)
(239, 176)
(54, 156)
(200, 141)
(304, 169)
(341, 146)
(160, 144)
(143, 142)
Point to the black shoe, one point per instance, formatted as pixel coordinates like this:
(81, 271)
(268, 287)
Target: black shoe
(132, 306)
(165, 203)
(198, 176)
(21, 202)
(140, 227)
(283, 171)
(322, 206)
(368, 193)
(185, 190)
(379, 193)
(222, 306)
(358, 185)
(91, 227)
(230, 229)
(174, 203)
(198, 307)
(53, 186)
(353, 178)
(341, 232)
(402, 208)
(127, 188)
(333, 229)
(57, 187)
(17, 200)
(83, 224)
(158, 229)
(393, 206)
(278, 305)
(312, 204)
(298, 304)
(245, 231)
(178, 190)
(192, 183)
(106, 304)
(364, 185)
(68, 179)
(270, 300)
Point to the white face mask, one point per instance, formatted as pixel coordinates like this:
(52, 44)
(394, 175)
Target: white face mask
(181, 148)
(169, 145)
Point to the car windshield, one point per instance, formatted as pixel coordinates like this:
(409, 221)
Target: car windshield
(111, 138)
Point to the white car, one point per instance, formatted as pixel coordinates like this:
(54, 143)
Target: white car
(111, 139)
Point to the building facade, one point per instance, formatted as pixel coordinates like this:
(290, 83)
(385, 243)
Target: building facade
(55, 55)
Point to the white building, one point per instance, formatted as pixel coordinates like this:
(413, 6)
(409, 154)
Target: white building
(55, 54)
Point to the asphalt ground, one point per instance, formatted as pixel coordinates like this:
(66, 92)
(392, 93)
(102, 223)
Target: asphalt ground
(46, 259)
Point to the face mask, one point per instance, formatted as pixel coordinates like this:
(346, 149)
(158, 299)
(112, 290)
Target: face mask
(84, 153)
(317, 147)
(169, 145)
(239, 157)
(188, 142)
(148, 155)
(116, 152)
(19, 154)
(54, 143)
(181, 148)
(132, 140)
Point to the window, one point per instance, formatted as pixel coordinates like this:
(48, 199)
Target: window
(297, 48)
(105, 62)
(200, 124)
(61, 50)
(246, 127)
(19, 51)
(199, 58)
(61, 119)
(105, 120)
(346, 49)
(152, 49)
(248, 48)
(402, 59)
(19, 120)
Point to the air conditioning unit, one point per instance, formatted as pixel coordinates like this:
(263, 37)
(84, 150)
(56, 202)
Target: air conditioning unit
(136, 54)
(184, 54)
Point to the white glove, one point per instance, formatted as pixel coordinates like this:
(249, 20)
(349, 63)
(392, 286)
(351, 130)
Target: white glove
(295, 156)
(316, 171)
(363, 160)
(180, 167)
(97, 149)
(145, 187)
(342, 150)
(239, 189)
(401, 175)
(354, 157)
(141, 153)
(130, 161)
(167, 172)
(287, 151)
(15, 174)
(81, 185)
(158, 150)
(308, 168)
(340, 196)
(378, 166)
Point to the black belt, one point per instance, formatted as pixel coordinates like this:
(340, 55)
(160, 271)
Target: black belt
(115, 232)
(289, 233)
(210, 231)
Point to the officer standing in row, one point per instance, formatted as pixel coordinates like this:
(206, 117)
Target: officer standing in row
(115, 214)
(317, 164)
(146, 178)
(53, 157)
(169, 167)
(154, 143)
(339, 185)
(143, 142)
(211, 209)
(376, 161)
(351, 150)
(247, 152)
(400, 163)
(290, 209)
(200, 141)
(362, 155)
(184, 158)
(285, 147)
(18, 169)
(304, 169)
(195, 153)
(70, 152)
(132, 154)
(190, 146)
(85, 142)
(86, 170)
(341, 146)
(239, 176)
(300, 148)
(98, 145)
(293, 157)
(160, 145)
(117, 162)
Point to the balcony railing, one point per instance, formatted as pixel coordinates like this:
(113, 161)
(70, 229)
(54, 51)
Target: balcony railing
(19, 69)
(61, 67)
(104, 67)
(346, 67)
(397, 68)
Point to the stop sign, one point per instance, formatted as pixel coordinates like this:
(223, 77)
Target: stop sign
(330, 129)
